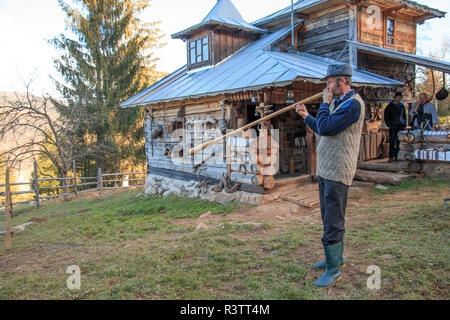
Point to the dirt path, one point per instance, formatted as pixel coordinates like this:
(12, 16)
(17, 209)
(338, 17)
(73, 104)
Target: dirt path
(281, 206)
(277, 212)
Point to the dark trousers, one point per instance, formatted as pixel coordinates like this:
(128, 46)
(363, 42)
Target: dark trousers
(394, 144)
(333, 203)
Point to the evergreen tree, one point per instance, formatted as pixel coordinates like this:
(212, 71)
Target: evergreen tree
(108, 61)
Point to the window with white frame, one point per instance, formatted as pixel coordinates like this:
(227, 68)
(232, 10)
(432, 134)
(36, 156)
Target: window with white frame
(199, 51)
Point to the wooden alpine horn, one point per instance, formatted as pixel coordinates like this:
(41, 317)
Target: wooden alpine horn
(254, 123)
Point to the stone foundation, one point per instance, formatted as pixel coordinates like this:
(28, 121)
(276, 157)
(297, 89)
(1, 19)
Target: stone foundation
(164, 186)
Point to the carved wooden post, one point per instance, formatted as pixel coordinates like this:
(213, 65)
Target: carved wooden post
(100, 182)
(36, 185)
(7, 211)
(75, 178)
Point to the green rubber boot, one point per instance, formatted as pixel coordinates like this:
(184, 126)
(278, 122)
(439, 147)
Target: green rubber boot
(333, 268)
(323, 264)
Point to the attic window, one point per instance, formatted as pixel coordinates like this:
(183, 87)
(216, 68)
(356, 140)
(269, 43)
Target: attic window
(390, 31)
(199, 50)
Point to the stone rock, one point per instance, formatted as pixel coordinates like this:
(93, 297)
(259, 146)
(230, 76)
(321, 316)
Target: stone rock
(268, 198)
(161, 190)
(205, 216)
(381, 187)
(148, 184)
(194, 194)
(201, 226)
(167, 193)
(164, 186)
(250, 198)
(21, 228)
(151, 190)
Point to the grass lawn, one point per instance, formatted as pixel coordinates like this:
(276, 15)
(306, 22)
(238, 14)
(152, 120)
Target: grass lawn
(129, 246)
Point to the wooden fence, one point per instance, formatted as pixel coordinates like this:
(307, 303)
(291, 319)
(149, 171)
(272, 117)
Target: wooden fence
(71, 186)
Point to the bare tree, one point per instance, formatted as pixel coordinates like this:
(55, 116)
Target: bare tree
(430, 81)
(32, 127)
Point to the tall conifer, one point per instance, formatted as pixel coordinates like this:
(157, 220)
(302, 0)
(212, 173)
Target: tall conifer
(107, 58)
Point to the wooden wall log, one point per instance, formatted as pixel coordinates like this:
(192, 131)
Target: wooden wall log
(269, 182)
(267, 159)
(244, 178)
(249, 168)
(260, 180)
(267, 171)
(417, 137)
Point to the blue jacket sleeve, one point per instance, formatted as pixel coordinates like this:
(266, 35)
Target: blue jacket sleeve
(327, 124)
(311, 122)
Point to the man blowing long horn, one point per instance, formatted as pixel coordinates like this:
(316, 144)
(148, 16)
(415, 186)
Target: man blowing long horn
(339, 123)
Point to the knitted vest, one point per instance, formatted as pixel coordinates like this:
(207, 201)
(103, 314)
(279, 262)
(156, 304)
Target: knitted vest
(337, 155)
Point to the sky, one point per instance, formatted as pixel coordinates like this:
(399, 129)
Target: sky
(27, 25)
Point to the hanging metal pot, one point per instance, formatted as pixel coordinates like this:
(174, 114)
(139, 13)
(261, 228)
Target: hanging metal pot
(443, 93)
(156, 132)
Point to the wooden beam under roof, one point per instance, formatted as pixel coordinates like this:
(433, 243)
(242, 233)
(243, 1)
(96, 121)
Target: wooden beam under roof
(421, 19)
(394, 9)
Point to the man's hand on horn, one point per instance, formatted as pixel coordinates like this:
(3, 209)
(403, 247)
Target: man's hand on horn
(301, 110)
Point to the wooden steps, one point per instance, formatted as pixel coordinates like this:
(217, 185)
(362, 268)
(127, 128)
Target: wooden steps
(397, 166)
(306, 196)
(382, 177)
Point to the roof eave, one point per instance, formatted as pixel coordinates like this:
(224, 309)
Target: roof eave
(259, 87)
(217, 93)
(436, 12)
(403, 56)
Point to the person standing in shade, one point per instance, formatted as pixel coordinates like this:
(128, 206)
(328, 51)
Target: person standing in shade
(395, 118)
(339, 123)
(424, 114)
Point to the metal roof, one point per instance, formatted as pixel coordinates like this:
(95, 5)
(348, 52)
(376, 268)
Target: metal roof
(251, 68)
(223, 13)
(224, 9)
(403, 56)
(299, 5)
(303, 5)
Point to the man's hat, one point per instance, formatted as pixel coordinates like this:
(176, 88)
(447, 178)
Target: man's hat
(335, 70)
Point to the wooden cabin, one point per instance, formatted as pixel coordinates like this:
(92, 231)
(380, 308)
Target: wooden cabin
(236, 72)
